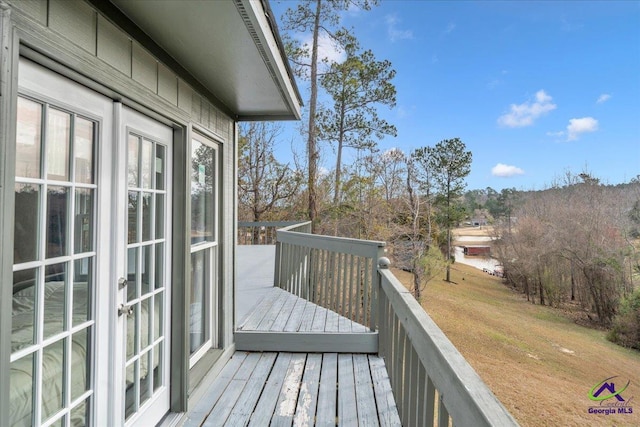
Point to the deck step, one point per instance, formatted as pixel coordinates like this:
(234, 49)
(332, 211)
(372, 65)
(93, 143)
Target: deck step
(307, 342)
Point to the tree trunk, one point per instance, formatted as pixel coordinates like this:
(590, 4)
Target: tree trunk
(312, 151)
(336, 193)
(448, 279)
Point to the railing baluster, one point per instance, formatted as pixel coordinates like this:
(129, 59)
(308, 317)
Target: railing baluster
(423, 364)
(443, 414)
(430, 407)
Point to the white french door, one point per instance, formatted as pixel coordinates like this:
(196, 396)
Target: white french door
(90, 322)
(143, 258)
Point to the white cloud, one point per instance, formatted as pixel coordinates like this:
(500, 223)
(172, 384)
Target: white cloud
(580, 126)
(526, 113)
(327, 49)
(396, 34)
(556, 134)
(506, 171)
(603, 98)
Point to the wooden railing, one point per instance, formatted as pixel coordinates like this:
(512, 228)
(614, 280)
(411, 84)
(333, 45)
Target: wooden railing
(424, 367)
(339, 274)
(264, 232)
(432, 382)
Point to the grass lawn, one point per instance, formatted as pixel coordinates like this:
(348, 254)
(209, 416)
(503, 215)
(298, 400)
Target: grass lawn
(540, 364)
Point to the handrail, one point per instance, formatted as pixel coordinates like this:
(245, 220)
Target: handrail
(336, 273)
(430, 379)
(421, 361)
(264, 232)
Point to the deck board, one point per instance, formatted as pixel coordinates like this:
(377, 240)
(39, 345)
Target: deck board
(326, 412)
(301, 389)
(282, 311)
(347, 409)
(196, 416)
(308, 397)
(269, 397)
(243, 408)
(286, 405)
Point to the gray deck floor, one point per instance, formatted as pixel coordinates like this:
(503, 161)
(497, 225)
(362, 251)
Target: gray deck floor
(300, 389)
(284, 388)
(255, 271)
(281, 311)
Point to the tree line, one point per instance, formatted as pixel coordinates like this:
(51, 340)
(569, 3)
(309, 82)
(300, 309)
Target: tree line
(573, 243)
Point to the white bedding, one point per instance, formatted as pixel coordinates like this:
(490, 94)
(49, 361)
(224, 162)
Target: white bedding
(52, 360)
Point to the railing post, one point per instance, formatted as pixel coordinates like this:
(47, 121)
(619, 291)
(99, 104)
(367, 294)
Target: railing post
(375, 286)
(382, 264)
(276, 274)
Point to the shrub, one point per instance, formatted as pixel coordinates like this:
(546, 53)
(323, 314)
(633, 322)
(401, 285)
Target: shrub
(626, 323)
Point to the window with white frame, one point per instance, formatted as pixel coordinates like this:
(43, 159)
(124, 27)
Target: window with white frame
(203, 312)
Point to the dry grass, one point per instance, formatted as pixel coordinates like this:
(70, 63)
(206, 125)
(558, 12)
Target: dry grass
(540, 364)
(485, 230)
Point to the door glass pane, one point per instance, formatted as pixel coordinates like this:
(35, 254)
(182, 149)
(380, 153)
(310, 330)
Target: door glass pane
(132, 161)
(159, 266)
(57, 204)
(20, 391)
(132, 332)
(202, 192)
(82, 290)
(147, 269)
(80, 366)
(54, 299)
(147, 163)
(199, 281)
(53, 373)
(132, 274)
(83, 150)
(159, 216)
(160, 172)
(27, 208)
(28, 138)
(83, 226)
(158, 310)
(80, 415)
(157, 366)
(58, 140)
(145, 377)
(24, 308)
(147, 199)
(145, 323)
(130, 394)
(133, 217)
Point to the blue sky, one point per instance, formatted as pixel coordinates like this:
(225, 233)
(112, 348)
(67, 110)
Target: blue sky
(532, 88)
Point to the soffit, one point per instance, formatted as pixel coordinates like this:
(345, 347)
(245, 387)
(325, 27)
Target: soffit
(228, 46)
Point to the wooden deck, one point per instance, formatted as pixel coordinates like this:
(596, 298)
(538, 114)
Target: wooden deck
(296, 363)
(301, 389)
(285, 322)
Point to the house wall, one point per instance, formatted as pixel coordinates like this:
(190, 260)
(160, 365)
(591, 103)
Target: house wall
(75, 39)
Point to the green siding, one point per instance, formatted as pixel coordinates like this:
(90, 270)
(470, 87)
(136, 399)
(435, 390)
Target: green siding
(114, 46)
(144, 68)
(75, 20)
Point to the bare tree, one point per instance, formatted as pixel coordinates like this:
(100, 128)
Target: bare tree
(263, 182)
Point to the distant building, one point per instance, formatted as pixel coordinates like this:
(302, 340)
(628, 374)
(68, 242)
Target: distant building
(476, 250)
